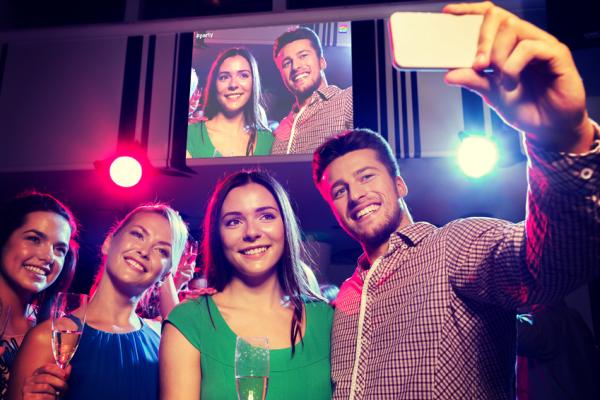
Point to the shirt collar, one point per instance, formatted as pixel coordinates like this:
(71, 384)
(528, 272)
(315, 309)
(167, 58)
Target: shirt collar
(410, 235)
(320, 94)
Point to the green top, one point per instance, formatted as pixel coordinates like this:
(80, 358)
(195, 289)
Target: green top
(303, 376)
(200, 146)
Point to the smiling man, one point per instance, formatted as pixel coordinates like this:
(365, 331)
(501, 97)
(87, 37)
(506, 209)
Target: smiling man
(320, 110)
(429, 312)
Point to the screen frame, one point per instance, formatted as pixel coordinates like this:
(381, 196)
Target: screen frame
(266, 64)
(367, 24)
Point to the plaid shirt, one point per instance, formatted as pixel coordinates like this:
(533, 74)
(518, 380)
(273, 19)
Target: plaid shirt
(434, 318)
(328, 111)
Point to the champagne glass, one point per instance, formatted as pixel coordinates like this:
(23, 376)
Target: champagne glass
(251, 367)
(193, 248)
(184, 270)
(68, 320)
(198, 280)
(193, 253)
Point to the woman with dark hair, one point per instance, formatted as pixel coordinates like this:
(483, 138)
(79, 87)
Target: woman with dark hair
(39, 253)
(235, 122)
(253, 254)
(117, 356)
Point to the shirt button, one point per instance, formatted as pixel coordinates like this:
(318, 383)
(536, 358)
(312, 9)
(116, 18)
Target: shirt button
(586, 173)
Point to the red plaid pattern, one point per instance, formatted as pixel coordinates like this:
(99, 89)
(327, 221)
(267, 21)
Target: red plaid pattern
(195, 107)
(434, 318)
(329, 111)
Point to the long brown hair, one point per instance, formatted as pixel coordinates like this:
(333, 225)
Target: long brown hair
(12, 216)
(291, 269)
(255, 116)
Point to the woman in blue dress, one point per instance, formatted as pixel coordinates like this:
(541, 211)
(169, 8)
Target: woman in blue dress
(117, 357)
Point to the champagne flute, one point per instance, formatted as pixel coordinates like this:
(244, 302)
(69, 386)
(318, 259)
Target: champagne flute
(193, 248)
(188, 261)
(198, 280)
(68, 320)
(251, 367)
(193, 253)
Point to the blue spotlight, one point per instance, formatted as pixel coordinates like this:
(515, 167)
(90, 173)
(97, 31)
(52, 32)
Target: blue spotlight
(477, 155)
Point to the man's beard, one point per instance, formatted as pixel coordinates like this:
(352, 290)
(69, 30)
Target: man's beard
(380, 234)
(305, 93)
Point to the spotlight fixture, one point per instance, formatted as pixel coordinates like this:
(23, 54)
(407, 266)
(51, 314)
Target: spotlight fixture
(127, 168)
(477, 154)
(125, 171)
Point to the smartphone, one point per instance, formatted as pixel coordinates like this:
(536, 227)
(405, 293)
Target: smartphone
(433, 41)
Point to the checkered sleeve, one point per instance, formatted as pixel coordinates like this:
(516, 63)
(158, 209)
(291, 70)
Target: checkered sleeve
(348, 109)
(555, 250)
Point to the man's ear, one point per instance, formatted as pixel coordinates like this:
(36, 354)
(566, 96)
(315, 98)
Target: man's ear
(106, 245)
(322, 63)
(401, 186)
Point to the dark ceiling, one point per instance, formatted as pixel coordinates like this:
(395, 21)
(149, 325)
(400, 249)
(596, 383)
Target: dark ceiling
(28, 14)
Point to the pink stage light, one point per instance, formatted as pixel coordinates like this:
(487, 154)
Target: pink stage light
(126, 171)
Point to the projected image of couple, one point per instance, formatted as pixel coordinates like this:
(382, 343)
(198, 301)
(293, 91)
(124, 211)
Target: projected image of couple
(269, 93)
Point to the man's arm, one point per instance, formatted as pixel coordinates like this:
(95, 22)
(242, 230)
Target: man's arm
(536, 88)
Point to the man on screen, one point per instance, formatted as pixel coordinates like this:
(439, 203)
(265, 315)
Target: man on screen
(429, 312)
(321, 110)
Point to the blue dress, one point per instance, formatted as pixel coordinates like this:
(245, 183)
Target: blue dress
(115, 366)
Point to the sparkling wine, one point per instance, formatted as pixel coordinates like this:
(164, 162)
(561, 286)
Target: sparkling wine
(64, 345)
(251, 387)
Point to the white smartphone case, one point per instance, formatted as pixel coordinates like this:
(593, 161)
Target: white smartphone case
(433, 41)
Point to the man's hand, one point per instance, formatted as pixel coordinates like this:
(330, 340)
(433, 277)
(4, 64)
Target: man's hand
(534, 84)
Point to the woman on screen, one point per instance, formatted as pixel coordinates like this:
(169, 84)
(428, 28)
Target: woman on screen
(117, 357)
(235, 122)
(253, 255)
(39, 253)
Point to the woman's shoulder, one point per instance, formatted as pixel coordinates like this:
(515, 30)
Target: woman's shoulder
(39, 335)
(198, 141)
(41, 328)
(198, 125)
(319, 307)
(265, 135)
(319, 319)
(197, 128)
(197, 320)
(198, 306)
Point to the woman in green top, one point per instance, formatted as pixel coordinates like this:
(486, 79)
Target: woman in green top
(253, 256)
(236, 122)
